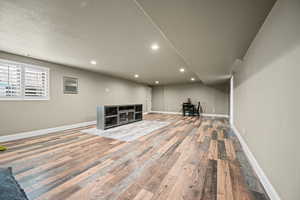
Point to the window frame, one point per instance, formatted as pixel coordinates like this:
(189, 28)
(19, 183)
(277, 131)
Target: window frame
(23, 97)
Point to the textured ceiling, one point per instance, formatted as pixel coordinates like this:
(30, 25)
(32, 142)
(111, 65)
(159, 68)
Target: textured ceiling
(209, 34)
(205, 37)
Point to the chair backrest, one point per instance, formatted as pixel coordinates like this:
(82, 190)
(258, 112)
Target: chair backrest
(198, 108)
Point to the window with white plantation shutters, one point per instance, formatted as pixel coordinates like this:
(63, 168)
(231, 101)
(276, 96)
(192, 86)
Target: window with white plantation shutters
(10, 80)
(36, 83)
(20, 81)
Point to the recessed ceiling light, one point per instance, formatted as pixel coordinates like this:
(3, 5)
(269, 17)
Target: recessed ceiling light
(154, 47)
(192, 79)
(181, 69)
(83, 4)
(93, 62)
(156, 82)
(136, 76)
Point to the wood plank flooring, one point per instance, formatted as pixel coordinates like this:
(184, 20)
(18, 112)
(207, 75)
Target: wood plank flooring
(192, 158)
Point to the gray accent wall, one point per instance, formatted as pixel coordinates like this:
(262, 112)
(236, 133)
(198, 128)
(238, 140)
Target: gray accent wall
(169, 98)
(267, 97)
(64, 109)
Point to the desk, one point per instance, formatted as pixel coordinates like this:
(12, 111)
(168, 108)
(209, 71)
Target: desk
(188, 108)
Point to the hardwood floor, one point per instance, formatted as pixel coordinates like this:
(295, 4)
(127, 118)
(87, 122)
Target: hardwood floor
(191, 158)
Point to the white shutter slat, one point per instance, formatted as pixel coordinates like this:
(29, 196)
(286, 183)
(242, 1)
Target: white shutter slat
(10, 80)
(36, 82)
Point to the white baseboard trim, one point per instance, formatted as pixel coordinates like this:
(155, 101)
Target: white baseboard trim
(203, 114)
(43, 131)
(258, 170)
(166, 112)
(214, 115)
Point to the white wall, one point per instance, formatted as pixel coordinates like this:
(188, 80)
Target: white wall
(64, 109)
(267, 97)
(169, 98)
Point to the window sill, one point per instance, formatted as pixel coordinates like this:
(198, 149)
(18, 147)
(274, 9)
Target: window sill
(22, 99)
